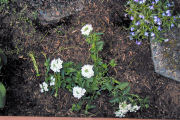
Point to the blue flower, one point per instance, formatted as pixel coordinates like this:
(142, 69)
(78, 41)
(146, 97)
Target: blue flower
(141, 16)
(163, 14)
(146, 33)
(159, 21)
(136, 0)
(159, 28)
(151, 7)
(132, 33)
(132, 18)
(168, 12)
(174, 17)
(138, 42)
(172, 25)
(132, 28)
(153, 2)
(137, 23)
(152, 34)
(155, 19)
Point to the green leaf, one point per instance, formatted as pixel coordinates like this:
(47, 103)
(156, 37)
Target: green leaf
(109, 86)
(112, 63)
(123, 85)
(67, 64)
(70, 70)
(114, 100)
(100, 45)
(127, 90)
(2, 95)
(76, 107)
(99, 33)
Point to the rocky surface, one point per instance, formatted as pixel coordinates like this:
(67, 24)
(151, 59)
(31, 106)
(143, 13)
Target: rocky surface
(166, 55)
(51, 11)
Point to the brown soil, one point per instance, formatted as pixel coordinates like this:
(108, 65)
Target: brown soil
(18, 37)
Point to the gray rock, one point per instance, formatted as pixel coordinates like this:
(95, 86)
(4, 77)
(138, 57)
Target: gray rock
(51, 11)
(166, 55)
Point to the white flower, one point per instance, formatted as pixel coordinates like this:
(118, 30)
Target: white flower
(135, 108)
(87, 71)
(78, 92)
(56, 65)
(44, 87)
(125, 108)
(86, 29)
(52, 81)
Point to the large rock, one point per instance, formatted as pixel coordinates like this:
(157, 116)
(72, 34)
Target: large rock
(51, 11)
(166, 55)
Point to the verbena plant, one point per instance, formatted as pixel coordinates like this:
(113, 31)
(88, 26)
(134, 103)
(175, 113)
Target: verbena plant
(87, 82)
(150, 18)
(3, 61)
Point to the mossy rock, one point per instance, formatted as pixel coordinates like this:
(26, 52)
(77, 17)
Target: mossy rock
(166, 55)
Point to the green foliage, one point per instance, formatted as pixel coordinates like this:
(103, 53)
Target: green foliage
(150, 19)
(71, 76)
(4, 1)
(2, 95)
(3, 61)
(34, 63)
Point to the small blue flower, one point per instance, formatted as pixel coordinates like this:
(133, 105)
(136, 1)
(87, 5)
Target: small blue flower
(172, 25)
(174, 17)
(151, 7)
(146, 33)
(132, 28)
(136, 0)
(163, 14)
(132, 18)
(153, 2)
(155, 19)
(137, 23)
(132, 33)
(141, 16)
(138, 42)
(159, 28)
(152, 34)
(159, 22)
(168, 12)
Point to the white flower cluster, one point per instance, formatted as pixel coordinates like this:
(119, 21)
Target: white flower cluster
(87, 71)
(78, 92)
(56, 65)
(44, 87)
(86, 29)
(124, 108)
